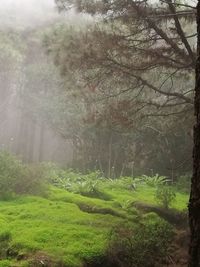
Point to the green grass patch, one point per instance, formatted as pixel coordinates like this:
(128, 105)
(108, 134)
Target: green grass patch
(56, 226)
(70, 226)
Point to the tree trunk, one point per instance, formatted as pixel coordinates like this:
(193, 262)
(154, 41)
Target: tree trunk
(42, 141)
(194, 203)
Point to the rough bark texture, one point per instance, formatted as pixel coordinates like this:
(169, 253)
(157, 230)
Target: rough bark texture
(194, 204)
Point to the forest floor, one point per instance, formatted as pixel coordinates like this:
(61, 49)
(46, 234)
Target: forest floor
(64, 228)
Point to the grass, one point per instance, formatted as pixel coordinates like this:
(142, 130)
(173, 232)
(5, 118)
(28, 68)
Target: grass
(56, 226)
(145, 194)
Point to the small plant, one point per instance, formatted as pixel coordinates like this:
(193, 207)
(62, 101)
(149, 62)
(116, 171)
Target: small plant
(165, 195)
(89, 189)
(155, 180)
(126, 204)
(83, 184)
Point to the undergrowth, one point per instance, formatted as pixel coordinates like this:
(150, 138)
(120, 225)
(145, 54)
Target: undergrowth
(59, 216)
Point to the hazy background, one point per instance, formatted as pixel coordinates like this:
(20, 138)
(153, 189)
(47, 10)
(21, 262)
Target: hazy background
(20, 131)
(27, 13)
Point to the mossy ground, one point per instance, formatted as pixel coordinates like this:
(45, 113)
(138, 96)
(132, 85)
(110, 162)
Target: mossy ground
(56, 226)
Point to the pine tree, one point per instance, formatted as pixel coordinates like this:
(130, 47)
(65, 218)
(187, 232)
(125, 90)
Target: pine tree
(144, 47)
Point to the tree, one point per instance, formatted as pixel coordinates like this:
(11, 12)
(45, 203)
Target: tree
(194, 203)
(133, 74)
(11, 58)
(38, 138)
(145, 48)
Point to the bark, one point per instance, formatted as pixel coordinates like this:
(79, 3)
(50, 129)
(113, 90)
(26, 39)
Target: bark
(194, 203)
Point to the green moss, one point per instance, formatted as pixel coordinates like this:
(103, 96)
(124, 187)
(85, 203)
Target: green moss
(57, 226)
(146, 194)
(5, 263)
(13, 263)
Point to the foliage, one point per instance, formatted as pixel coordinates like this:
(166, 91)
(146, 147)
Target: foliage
(57, 227)
(127, 183)
(18, 178)
(124, 190)
(86, 185)
(11, 48)
(87, 188)
(144, 245)
(66, 226)
(66, 178)
(153, 181)
(112, 129)
(165, 195)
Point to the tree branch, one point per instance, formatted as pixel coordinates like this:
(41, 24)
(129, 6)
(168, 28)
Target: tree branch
(180, 32)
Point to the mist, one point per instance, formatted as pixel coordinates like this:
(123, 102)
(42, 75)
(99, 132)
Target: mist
(23, 13)
(96, 139)
(22, 27)
(28, 136)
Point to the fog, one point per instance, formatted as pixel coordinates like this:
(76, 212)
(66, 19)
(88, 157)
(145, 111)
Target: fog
(29, 137)
(25, 80)
(96, 118)
(23, 13)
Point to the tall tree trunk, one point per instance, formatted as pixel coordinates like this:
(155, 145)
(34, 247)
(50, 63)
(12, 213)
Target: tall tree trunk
(110, 157)
(42, 141)
(31, 140)
(194, 203)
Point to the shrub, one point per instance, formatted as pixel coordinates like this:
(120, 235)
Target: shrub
(86, 188)
(144, 245)
(165, 195)
(18, 178)
(83, 184)
(59, 177)
(34, 181)
(68, 178)
(155, 180)
(89, 189)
